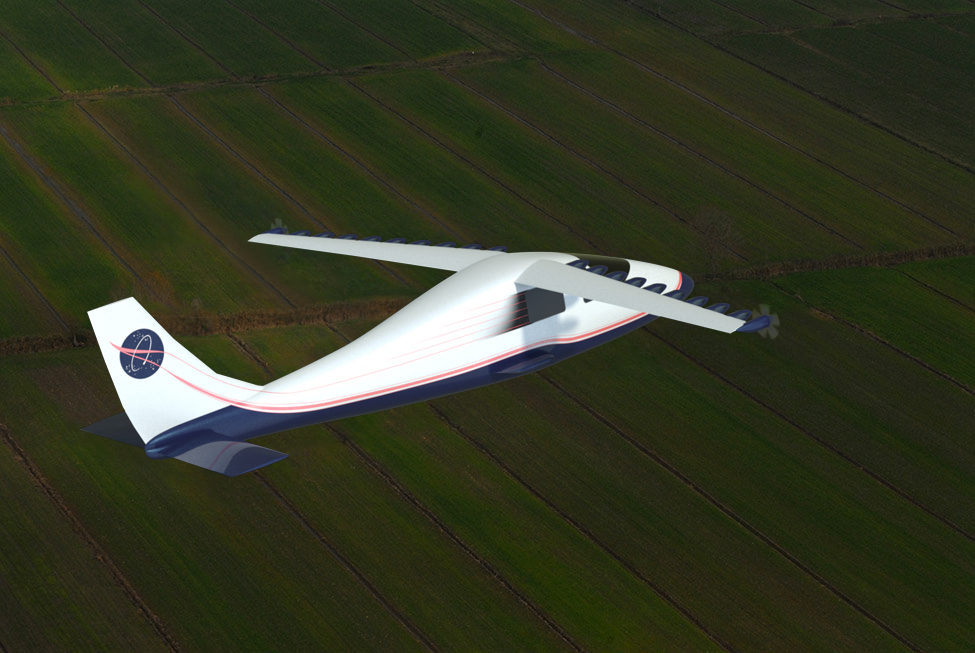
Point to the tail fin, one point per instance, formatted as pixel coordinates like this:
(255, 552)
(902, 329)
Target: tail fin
(160, 383)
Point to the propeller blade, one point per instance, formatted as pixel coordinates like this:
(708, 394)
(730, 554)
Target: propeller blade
(759, 323)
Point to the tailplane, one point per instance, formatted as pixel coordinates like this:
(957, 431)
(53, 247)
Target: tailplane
(161, 385)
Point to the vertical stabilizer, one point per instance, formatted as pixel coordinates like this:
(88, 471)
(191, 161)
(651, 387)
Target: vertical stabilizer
(160, 383)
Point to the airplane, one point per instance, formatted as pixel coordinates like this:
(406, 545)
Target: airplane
(499, 316)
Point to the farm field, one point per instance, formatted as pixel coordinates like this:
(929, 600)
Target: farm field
(677, 489)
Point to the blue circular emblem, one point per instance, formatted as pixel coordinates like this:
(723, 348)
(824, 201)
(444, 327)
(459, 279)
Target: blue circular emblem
(142, 354)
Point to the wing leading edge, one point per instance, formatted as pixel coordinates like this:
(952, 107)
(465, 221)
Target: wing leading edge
(442, 258)
(568, 280)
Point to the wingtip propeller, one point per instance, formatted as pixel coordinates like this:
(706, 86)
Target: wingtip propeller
(757, 324)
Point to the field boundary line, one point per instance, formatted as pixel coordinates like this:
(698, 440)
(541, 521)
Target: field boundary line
(31, 62)
(276, 33)
(842, 262)
(741, 13)
(812, 8)
(419, 506)
(201, 324)
(936, 290)
(335, 10)
(282, 498)
(34, 288)
(821, 98)
(104, 43)
(247, 163)
(266, 179)
(591, 162)
(203, 226)
(876, 338)
(741, 521)
(408, 496)
(446, 62)
(460, 20)
(737, 175)
(583, 530)
(498, 182)
(318, 133)
(186, 38)
(825, 444)
(61, 194)
(712, 103)
(345, 562)
(355, 160)
(96, 550)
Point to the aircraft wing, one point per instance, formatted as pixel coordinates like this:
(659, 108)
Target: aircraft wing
(567, 280)
(436, 256)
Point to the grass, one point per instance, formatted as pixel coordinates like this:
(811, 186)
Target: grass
(955, 277)
(762, 224)
(32, 317)
(51, 245)
(474, 205)
(778, 15)
(75, 59)
(152, 524)
(234, 202)
(863, 399)
(604, 212)
(929, 41)
(484, 508)
(145, 42)
(18, 79)
(820, 72)
(724, 84)
(231, 38)
(749, 595)
(52, 578)
(828, 514)
(435, 583)
(409, 27)
(854, 209)
(321, 32)
(347, 198)
(800, 493)
(892, 306)
(850, 10)
(148, 230)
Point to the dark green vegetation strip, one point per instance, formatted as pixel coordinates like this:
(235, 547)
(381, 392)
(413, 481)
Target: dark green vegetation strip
(446, 592)
(749, 96)
(177, 538)
(53, 570)
(923, 324)
(677, 489)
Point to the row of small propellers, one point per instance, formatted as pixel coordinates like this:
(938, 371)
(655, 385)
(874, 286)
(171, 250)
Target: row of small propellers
(765, 324)
(378, 239)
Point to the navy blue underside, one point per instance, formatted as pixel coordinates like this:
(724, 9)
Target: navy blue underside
(233, 423)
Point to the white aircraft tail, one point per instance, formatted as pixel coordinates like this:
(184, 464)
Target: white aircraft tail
(160, 383)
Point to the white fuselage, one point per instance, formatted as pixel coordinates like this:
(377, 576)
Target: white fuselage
(461, 324)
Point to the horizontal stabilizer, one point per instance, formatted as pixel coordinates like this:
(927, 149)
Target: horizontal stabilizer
(117, 427)
(230, 458)
(582, 283)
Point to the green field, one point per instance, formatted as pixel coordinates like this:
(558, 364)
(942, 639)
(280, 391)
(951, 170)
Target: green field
(677, 489)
